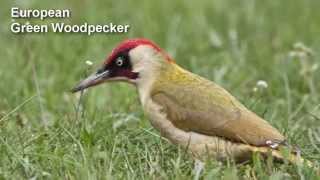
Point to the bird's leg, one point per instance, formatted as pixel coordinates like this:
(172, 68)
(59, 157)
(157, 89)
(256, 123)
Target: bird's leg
(198, 167)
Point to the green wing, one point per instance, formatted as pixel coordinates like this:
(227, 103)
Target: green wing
(196, 104)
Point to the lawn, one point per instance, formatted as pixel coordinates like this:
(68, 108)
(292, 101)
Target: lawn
(48, 133)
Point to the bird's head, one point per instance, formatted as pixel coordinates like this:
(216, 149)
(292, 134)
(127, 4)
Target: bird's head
(133, 61)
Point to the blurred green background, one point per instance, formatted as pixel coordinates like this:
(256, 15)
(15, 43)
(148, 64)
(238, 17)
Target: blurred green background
(47, 132)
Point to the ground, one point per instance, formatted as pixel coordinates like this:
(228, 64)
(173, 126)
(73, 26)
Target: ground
(266, 53)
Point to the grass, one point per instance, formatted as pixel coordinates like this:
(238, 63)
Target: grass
(46, 134)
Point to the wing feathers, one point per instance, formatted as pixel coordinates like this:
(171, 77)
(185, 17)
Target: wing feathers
(196, 104)
(231, 123)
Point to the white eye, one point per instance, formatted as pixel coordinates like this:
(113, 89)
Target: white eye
(119, 61)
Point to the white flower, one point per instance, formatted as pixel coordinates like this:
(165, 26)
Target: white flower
(299, 46)
(300, 51)
(297, 54)
(89, 63)
(262, 84)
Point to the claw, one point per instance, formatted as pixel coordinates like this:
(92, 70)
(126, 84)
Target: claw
(271, 144)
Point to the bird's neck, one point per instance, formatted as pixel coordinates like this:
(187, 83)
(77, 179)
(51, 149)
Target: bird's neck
(158, 79)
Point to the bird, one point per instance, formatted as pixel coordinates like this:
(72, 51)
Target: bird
(187, 109)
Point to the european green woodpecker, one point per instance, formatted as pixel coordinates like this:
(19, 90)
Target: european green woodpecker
(187, 109)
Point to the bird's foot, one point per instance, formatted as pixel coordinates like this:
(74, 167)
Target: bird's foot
(273, 145)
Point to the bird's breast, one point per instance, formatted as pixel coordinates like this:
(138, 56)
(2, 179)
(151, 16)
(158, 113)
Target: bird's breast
(199, 145)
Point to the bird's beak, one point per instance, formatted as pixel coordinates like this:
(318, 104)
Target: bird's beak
(92, 80)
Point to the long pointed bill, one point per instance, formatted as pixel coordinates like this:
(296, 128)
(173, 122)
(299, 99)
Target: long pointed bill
(92, 80)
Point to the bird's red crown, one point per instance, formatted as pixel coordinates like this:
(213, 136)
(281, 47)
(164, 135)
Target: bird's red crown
(129, 44)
